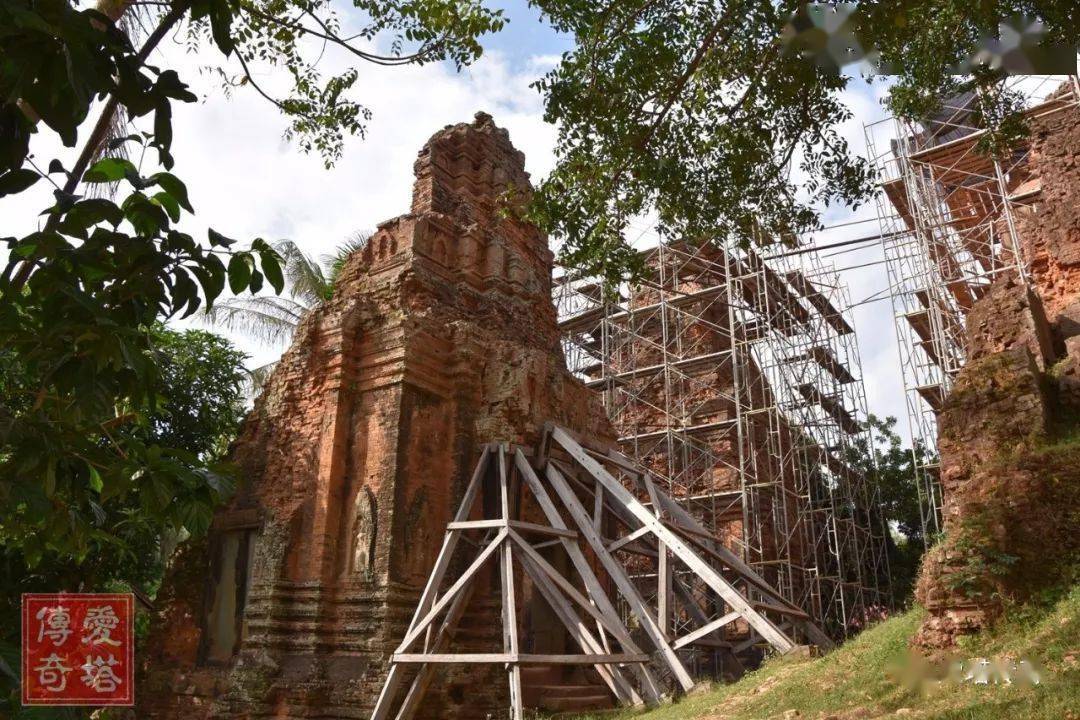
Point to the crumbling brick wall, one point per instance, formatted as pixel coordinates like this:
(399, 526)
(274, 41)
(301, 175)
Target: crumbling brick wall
(1051, 235)
(440, 336)
(1010, 470)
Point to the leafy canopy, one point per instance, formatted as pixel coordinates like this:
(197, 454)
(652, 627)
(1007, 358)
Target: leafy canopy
(126, 528)
(890, 469)
(702, 113)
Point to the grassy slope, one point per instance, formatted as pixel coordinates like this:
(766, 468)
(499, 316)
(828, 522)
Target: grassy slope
(859, 680)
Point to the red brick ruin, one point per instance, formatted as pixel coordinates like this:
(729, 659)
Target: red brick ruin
(1010, 478)
(441, 336)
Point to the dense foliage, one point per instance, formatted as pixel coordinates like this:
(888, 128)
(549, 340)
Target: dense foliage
(890, 470)
(81, 294)
(122, 529)
(711, 115)
(110, 428)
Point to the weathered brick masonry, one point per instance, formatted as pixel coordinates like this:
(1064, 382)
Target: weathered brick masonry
(441, 335)
(1010, 477)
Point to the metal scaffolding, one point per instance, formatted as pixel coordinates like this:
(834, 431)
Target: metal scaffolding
(735, 379)
(948, 215)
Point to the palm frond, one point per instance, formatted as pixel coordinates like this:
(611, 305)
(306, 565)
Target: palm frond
(258, 376)
(305, 278)
(268, 319)
(257, 379)
(335, 261)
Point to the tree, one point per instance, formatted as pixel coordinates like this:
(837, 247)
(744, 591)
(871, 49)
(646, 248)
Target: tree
(199, 407)
(79, 297)
(700, 111)
(889, 467)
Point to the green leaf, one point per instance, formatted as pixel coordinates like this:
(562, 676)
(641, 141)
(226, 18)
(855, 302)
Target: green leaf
(87, 213)
(117, 142)
(239, 272)
(256, 281)
(172, 185)
(271, 267)
(219, 240)
(147, 218)
(163, 125)
(196, 517)
(110, 169)
(95, 479)
(50, 477)
(221, 26)
(15, 181)
(168, 202)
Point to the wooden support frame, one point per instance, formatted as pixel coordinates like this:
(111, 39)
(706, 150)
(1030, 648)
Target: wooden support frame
(678, 547)
(659, 530)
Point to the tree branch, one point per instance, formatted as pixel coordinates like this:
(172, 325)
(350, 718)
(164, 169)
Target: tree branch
(328, 35)
(101, 129)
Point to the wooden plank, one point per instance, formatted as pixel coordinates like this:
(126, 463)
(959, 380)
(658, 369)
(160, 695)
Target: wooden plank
(588, 576)
(663, 566)
(712, 578)
(598, 509)
(454, 658)
(618, 574)
(708, 629)
(524, 526)
(466, 576)
(754, 640)
(476, 524)
(663, 591)
(519, 659)
(780, 609)
(509, 598)
(516, 524)
(627, 539)
(583, 659)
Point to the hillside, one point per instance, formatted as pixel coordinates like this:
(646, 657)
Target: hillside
(863, 679)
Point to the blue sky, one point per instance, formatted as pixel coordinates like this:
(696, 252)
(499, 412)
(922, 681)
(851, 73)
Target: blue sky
(526, 35)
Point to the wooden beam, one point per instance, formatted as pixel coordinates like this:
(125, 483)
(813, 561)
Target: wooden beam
(516, 524)
(708, 629)
(712, 578)
(618, 574)
(588, 576)
(509, 597)
(518, 659)
(627, 539)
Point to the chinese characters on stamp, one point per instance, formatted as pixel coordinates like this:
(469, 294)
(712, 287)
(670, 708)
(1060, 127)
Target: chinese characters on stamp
(78, 649)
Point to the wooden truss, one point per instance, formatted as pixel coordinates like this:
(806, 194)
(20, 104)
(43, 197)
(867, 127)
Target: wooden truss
(615, 527)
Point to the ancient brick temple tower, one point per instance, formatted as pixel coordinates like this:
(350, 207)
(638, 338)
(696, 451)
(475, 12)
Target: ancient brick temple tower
(441, 335)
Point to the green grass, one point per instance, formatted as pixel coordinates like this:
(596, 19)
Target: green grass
(862, 679)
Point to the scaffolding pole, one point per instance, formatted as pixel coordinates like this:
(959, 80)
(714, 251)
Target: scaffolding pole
(736, 381)
(948, 217)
